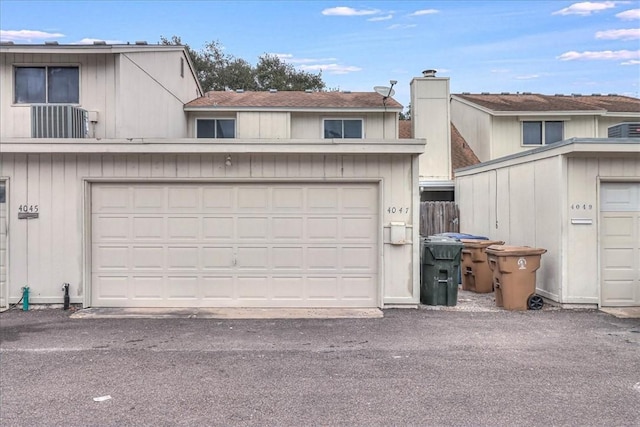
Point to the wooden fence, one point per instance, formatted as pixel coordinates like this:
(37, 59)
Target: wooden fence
(439, 217)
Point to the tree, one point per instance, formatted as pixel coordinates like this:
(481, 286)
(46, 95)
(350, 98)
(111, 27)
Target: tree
(217, 70)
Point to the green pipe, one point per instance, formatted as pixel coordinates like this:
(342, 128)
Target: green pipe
(25, 298)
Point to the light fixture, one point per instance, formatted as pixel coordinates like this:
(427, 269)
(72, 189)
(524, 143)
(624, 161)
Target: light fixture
(227, 161)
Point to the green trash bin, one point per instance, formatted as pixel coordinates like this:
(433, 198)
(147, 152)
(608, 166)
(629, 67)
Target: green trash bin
(440, 260)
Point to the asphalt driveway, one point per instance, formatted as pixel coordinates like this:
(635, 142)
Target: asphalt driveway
(411, 367)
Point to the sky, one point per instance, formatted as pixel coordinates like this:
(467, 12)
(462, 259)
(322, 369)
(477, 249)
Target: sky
(539, 46)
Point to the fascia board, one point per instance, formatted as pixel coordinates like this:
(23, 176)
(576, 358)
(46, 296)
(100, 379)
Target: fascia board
(574, 146)
(203, 146)
(88, 49)
(293, 109)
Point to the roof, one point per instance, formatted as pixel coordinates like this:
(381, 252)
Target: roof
(462, 155)
(96, 47)
(293, 99)
(545, 103)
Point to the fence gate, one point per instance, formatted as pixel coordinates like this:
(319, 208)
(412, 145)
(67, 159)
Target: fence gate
(439, 217)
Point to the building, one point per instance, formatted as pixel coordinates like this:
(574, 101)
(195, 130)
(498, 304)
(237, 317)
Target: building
(580, 200)
(498, 125)
(121, 178)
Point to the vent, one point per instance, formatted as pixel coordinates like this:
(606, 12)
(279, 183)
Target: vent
(624, 130)
(58, 121)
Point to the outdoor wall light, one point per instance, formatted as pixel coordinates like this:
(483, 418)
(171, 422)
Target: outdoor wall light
(227, 161)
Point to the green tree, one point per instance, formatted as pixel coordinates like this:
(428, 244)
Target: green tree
(217, 70)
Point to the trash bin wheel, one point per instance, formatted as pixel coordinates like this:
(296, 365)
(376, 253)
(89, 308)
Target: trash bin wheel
(535, 302)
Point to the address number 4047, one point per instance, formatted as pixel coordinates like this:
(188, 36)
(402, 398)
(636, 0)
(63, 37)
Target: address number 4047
(395, 209)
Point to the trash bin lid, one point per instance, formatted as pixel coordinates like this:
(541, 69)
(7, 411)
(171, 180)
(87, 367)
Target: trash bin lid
(460, 236)
(506, 250)
(480, 244)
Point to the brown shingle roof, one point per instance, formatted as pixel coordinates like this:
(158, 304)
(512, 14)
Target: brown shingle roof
(461, 154)
(293, 99)
(538, 102)
(404, 129)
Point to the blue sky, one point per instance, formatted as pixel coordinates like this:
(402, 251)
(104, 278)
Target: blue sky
(483, 46)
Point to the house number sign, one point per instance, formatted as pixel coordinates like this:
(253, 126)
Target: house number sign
(28, 211)
(581, 207)
(397, 209)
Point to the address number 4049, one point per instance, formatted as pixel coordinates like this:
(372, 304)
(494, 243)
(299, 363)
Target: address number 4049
(395, 209)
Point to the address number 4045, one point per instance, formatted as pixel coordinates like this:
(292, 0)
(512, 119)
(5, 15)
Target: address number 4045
(28, 208)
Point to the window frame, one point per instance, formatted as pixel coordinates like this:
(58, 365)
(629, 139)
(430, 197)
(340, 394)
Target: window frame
(46, 67)
(343, 119)
(215, 127)
(543, 130)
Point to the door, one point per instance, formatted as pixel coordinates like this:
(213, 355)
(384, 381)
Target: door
(235, 245)
(620, 244)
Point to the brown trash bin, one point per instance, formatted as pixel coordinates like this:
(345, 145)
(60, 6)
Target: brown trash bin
(514, 275)
(476, 274)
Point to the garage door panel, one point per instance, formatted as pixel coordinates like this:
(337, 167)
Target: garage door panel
(253, 228)
(148, 287)
(111, 228)
(149, 199)
(111, 198)
(287, 258)
(256, 258)
(217, 288)
(254, 199)
(217, 258)
(323, 258)
(218, 228)
(288, 199)
(148, 228)
(183, 258)
(244, 245)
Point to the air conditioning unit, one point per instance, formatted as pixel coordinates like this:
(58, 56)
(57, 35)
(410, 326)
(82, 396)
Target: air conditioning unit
(58, 121)
(625, 130)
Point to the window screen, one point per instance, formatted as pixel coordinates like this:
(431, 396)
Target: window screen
(532, 133)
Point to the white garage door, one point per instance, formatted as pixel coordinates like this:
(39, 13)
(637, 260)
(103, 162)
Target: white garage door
(235, 245)
(620, 244)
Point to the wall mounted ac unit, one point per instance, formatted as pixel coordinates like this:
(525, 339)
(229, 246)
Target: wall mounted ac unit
(58, 121)
(624, 130)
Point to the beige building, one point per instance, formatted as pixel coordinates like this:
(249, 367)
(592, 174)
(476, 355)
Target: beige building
(580, 200)
(498, 125)
(121, 178)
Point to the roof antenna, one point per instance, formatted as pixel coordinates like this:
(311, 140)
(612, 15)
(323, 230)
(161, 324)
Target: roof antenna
(385, 91)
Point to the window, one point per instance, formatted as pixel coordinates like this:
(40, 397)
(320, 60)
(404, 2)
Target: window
(532, 132)
(47, 85)
(343, 128)
(215, 128)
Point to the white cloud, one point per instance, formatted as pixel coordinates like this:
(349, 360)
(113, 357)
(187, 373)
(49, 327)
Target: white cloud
(632, 62)
(500, 70)
(628, 34)
(90, 41)
(349, 11)
(629, 15)
(380, 18)
(528, 77)
(331, 68)
(400, 26)
(27, 35)
(585, 8)
(288, 57)
(424, 12)
(601, 55)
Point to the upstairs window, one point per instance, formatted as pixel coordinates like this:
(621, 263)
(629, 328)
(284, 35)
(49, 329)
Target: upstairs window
(542, 132)
(334, 128)
(215, 128)
(47, 85)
